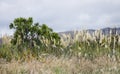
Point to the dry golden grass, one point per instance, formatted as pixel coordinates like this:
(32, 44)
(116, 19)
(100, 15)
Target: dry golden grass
(63, 65)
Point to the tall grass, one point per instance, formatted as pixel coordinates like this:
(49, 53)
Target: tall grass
(91, 45)
(81, 53)
(81, 44)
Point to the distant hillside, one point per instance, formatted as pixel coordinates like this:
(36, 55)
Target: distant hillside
(114, 30)
(105, 31)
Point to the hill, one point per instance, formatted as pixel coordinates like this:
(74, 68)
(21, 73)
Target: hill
(105, 31)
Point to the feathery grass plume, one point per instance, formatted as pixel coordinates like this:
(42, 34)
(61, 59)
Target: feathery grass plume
(6, 39)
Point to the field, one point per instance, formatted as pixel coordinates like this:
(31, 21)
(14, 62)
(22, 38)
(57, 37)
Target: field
(62, 65)
(82, 53)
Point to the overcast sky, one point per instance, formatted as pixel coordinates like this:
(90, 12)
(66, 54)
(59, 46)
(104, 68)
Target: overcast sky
(62, 15)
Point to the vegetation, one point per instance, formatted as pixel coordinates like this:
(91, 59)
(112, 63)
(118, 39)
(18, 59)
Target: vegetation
(29, 35)
(84, 44)
(54, 65)
(33, 38)
(65, 54)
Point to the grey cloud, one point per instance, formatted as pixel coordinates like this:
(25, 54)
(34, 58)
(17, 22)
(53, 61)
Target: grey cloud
(63, 15)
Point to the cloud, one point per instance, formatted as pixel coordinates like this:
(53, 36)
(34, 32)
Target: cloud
(62, 15)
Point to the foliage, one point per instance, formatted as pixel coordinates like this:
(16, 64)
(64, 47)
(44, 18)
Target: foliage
(37, 45)
(32, 40)
(33, 36)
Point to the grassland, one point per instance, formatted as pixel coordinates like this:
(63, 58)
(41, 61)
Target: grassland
(83, 53)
